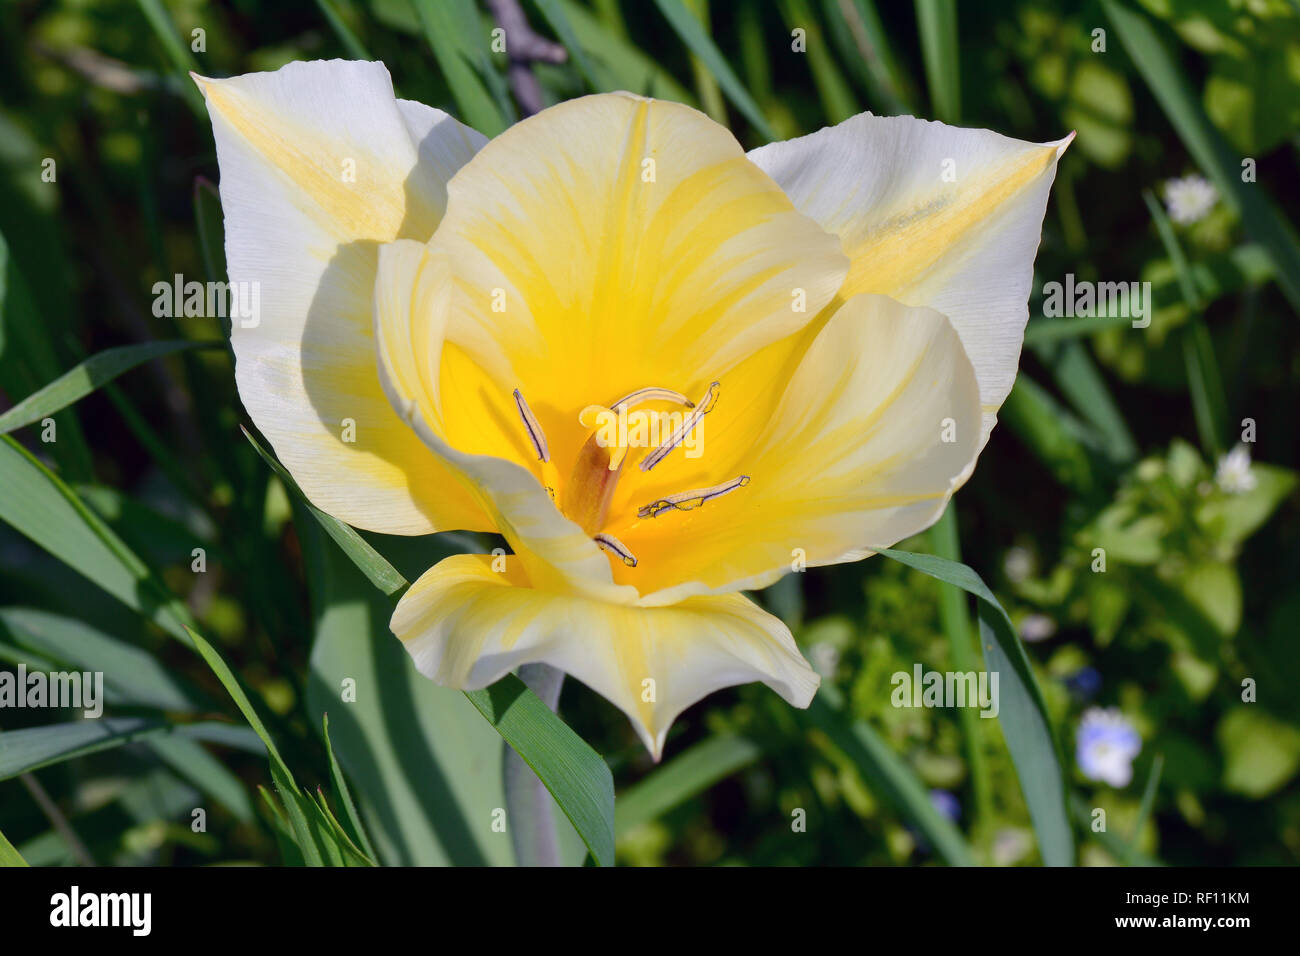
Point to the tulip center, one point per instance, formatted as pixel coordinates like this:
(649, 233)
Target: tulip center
(618, 433)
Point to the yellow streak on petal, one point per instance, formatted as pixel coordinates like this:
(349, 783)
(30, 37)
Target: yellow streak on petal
(368, 208)
(898, 254)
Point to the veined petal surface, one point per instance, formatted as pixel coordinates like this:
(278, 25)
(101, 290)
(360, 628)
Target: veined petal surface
(466, 625)
(606, 245)
(320, 164)
(875, 430)
(931, 215)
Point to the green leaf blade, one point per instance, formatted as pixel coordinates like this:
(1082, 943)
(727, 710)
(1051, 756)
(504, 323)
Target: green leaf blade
(1022, 710)
(693, 34)
(575, 774)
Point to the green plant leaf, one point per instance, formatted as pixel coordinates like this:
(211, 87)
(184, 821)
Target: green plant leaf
(450, 26)
(77, 383)
(354, 48)
(574, 773)
(1114, 844)
(8, 855)
(228, 680)
(936, 22)
(132, 672)
(554, 14)
(380, 573)
(693, 34)
(27, 355)
(1022, 711)
(1051, 432)
(356, 832)
(296, 810)
(1156, 64)
(316, 833)
(1079, 381)
(1209, 404)
(425, 766)
(1049, 331)
(34, 747)
(193, 763)
(1234, 518)
(623, 64)
(954, 615)
(690, 773)
(1148, 801)
(887, 773)
(838, 101)
(38, 504)
(178, 54)
(859, 31)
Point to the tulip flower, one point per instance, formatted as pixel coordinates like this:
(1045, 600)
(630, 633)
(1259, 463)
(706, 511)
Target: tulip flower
(666, 370)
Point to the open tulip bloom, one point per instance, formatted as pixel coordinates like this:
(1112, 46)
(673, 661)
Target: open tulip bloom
(664, 369)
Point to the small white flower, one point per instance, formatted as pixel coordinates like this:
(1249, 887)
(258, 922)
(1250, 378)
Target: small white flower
(1233, 473)
(1106, 744)
(1189, 199)
(1018, 563)
(1010, 845)
(825, 658)
(1037, 627)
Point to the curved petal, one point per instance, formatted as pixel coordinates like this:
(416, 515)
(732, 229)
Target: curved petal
(931, 215)
(877, 428)
(466, 626)
(319, 165)
(412, 292)
(608, 244)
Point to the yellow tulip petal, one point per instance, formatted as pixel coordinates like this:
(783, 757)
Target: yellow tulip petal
(412, 292)
(319, 165)
(610, 244)
(876, 429)
(466, 626)
(931, 215)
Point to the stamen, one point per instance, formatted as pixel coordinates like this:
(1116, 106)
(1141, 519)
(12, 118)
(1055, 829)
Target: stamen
(616, 547)
(688, 424)
(653, 395)
(533, 427)
(690, 500)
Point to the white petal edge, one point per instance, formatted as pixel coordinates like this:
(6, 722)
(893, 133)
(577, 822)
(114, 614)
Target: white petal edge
(876, 430)
(932, 215)
(320, 163)
(413, 284)
(467, 626)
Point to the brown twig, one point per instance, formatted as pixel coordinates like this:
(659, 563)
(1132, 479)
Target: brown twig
(524, 47)
(100, 70)
(79, 851)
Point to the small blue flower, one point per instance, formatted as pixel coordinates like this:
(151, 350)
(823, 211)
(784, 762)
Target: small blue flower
(1106, 744)
(1084, 682)
(947, 804)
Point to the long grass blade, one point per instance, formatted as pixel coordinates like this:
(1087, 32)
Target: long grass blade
(1022, 709)
(698, 41)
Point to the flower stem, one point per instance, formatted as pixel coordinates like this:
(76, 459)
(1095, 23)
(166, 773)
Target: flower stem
(528, 802)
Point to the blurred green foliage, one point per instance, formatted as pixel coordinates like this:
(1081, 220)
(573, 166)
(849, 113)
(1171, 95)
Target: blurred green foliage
(1190, 629)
